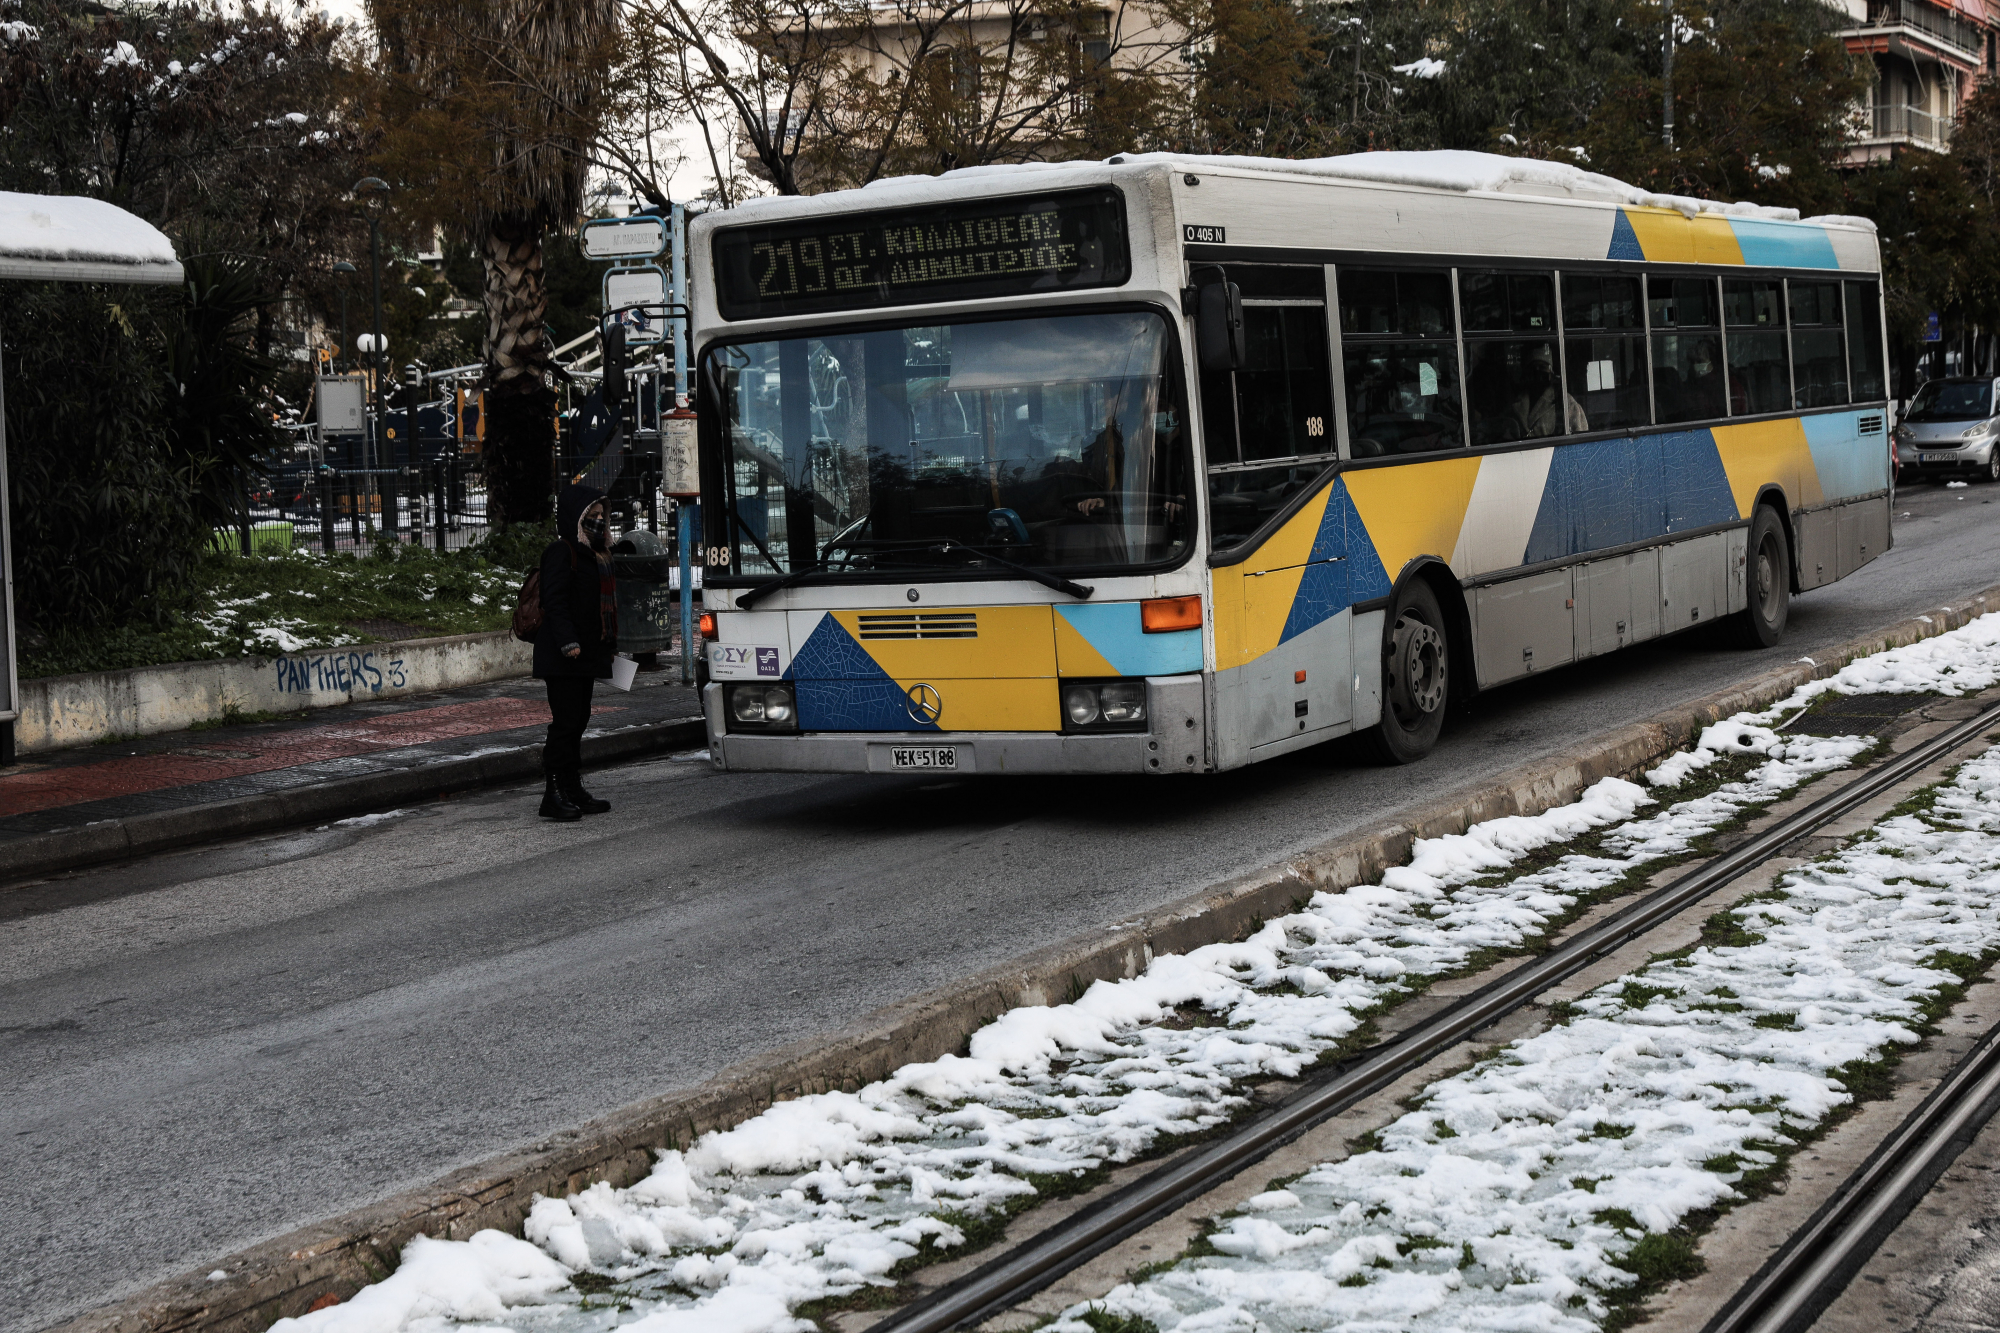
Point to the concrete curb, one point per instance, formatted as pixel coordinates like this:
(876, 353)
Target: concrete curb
(139, 835)
(339, 1256)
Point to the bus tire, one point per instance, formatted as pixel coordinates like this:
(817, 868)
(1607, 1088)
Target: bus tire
(1416, 677)
(1767, 582)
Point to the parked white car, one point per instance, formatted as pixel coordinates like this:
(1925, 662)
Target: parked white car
(1951, 430)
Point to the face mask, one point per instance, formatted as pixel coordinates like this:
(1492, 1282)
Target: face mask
(1702, 367)
(594, 526)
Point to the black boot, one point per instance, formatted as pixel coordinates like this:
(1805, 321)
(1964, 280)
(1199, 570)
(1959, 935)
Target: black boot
(556, 803)
(572, 787)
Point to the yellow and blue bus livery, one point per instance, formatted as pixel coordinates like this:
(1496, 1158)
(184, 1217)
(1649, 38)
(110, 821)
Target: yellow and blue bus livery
(1171, 465)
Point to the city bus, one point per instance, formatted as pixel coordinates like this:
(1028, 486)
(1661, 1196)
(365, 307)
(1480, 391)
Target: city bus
(1171, 464)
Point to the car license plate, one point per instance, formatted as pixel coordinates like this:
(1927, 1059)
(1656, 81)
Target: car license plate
(1937, 458)
(923, 757)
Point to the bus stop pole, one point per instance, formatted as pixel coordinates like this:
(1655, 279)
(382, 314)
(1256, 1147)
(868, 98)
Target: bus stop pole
(686, 527)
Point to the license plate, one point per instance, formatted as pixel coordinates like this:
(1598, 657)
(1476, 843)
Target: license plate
(1937, 458)
(923, 757)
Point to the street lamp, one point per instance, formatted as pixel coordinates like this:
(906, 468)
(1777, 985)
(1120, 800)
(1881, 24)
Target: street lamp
(343, 269)
(373, 193)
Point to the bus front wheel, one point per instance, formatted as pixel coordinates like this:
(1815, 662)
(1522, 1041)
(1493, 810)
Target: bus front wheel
(1416, 677)
(1767, 582)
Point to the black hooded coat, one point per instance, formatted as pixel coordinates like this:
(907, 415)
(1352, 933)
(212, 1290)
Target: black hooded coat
(570, 598)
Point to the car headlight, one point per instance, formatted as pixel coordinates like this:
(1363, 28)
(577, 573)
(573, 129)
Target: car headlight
(1905, 434)
(1104, 705)
(762, 707)
(1974, 432)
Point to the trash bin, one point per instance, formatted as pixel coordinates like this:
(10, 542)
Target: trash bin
(648, 606)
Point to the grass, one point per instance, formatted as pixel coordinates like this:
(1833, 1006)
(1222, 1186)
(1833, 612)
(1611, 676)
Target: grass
(260, 605)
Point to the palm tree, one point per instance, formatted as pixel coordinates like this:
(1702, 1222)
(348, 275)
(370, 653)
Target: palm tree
(488, 112)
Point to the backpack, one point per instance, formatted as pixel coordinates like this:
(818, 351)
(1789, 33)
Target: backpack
(528, 608)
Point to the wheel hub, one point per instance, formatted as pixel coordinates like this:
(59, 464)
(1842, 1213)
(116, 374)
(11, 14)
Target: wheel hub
(1416, 668)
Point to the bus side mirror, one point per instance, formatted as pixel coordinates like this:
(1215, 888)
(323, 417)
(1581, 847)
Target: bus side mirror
(1218, 326)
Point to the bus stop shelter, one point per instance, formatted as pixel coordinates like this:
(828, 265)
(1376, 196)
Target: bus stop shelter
(60, 238)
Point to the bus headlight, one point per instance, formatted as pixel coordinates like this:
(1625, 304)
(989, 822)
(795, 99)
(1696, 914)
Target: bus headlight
(763, 707)
(1104, 705)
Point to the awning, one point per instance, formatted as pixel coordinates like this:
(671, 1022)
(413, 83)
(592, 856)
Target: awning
(67, 238)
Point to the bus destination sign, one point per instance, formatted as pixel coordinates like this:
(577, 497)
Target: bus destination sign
(997, 247)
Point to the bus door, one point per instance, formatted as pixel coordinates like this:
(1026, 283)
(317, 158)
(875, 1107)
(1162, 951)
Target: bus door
(1278, 518)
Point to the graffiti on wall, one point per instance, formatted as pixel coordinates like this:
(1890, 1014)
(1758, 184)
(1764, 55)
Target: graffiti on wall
(347, 672)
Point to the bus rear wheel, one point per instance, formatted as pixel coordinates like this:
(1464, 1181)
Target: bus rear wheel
(1416, 677)
(1767, 582)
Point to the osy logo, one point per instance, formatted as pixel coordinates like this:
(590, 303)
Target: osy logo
(742, 659)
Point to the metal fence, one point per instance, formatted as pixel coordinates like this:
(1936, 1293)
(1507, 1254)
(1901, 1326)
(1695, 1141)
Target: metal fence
(441, 503)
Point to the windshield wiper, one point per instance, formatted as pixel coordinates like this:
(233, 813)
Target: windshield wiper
(763, 590)
(1047, 580)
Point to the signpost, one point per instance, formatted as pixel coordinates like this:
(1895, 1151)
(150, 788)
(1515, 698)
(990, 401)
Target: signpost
(649, 304)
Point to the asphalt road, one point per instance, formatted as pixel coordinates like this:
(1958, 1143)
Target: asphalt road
(206, 1049)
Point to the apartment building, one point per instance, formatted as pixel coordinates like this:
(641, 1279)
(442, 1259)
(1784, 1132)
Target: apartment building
(1928, 57)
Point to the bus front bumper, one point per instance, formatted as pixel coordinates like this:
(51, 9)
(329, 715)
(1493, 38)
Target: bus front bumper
(1177, 743)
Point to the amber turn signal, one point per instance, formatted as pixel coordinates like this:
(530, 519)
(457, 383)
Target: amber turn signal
(1162, 614)
(708, 624)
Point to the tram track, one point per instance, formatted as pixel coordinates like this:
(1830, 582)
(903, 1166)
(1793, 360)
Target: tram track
(1811, 1269)
(1805, 1284)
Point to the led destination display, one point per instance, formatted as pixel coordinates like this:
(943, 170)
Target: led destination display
(1056, 242)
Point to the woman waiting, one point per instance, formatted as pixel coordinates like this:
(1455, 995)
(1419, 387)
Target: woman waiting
(574, 646)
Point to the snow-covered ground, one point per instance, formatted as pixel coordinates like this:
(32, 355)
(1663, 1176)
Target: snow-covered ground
(1479, 1208)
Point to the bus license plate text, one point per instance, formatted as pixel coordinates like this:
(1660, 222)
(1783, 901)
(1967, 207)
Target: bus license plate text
(911, 757)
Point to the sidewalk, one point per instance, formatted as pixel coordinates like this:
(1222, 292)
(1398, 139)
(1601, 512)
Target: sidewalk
(69, 808)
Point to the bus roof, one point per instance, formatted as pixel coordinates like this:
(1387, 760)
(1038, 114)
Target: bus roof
(1450, 170)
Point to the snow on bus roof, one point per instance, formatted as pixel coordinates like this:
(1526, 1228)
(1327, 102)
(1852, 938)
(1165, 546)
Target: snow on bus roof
(1444, 169)
(74, 239)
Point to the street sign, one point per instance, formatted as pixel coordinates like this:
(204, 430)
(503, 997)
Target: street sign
(1933, 330)
(637, 298)
(680, 460)
(624, 238)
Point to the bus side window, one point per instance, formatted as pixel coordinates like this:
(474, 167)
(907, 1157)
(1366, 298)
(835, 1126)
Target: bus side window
(1753, 315)
(1605, 349)
(1512, 388)
(1687, 349)
(1819, 348)
(1400, 356)
(1864, 342)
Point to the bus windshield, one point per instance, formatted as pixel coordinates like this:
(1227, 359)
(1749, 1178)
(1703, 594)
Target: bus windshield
(1055, 442)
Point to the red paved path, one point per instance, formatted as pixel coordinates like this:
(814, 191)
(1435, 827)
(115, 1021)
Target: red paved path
(236, 756)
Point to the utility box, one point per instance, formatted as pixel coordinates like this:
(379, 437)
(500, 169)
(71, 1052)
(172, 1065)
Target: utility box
(343, 404)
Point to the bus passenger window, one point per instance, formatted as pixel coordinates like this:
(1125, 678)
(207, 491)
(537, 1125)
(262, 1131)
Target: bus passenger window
(1512, 389)
(1687, 349)
(1760, 377)
(1819, 349)
(1401, 362)
(1284, 400)
(1864, 342)
(1605, 344)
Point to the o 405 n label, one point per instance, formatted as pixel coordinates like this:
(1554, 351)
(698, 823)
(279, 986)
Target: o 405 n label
(1195, 233)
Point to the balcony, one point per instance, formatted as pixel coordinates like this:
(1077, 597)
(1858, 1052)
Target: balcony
(1906, 124)
(1916, 30)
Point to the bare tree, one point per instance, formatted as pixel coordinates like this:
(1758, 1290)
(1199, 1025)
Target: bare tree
(815, 95)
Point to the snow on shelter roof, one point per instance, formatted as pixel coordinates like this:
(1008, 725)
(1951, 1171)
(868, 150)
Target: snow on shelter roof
(67, 238)
(1444, 169)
